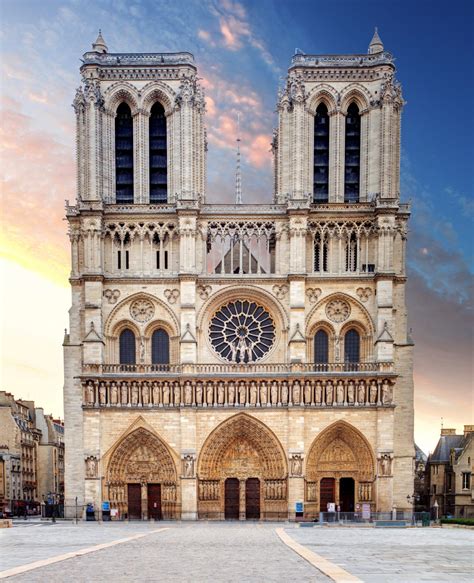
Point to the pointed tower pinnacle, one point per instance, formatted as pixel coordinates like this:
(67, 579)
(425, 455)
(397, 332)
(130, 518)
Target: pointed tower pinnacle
(99, 46)
(238, 175)
(376, 44)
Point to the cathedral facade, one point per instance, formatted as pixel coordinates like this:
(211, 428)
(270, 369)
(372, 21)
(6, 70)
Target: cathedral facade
(233, 360)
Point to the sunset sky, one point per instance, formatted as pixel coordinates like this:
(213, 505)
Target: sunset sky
(242, 51)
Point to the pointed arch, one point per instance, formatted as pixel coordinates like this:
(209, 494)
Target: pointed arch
(355, 93)
(158, 91)
(340, 448)
(121, 92)
(322, 94)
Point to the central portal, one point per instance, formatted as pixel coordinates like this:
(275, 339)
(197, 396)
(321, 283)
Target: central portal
(232, 498)
(252, 499)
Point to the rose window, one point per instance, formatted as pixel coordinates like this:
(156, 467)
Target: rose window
(338, 310)
(142, 310)
(242, 332)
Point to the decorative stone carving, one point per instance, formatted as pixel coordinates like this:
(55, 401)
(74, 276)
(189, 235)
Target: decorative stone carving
(386, 393)
(296, 464)
(385, 464)
(188, 462)
(364, 293)
(313, 294)
(89, 393)
(280, 291)
(92, 467)
(112, 295)
(338, 310)
(142, 310)
(171, 295)
(204, 291)
(114, 393)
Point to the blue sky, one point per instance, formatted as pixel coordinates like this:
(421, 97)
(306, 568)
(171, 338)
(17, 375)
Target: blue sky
(242, 50)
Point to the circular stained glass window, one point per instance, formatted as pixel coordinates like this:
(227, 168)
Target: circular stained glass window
(242, 332)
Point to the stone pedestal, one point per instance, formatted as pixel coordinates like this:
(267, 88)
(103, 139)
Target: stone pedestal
(188, 499)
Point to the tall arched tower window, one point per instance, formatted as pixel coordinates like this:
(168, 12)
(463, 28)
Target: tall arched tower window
(158, 155)
(321, 155)
(352, 158)
(160, 347)
(127, 347)
(124, 155)
(321, 347)
(352, 346)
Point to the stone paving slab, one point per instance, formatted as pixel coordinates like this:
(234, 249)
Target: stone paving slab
(394, 556)
(187, 552)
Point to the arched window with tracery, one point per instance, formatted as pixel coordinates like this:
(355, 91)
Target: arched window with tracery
(127, 347)
(352, 346)
(351, 253)
(320, 253)
(321, 155)
(352, 155)
(160, 347)
(321, 347)
(124, 155)
(158, 155)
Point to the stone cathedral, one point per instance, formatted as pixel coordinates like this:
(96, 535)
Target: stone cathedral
(233, 360)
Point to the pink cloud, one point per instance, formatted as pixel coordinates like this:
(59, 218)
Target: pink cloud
(259, 152)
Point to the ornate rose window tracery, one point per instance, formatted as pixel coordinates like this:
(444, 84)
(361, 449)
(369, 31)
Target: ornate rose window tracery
(242, 332)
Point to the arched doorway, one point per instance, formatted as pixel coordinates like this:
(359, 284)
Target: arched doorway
(242, 472)
(141, 477)
(340, 470)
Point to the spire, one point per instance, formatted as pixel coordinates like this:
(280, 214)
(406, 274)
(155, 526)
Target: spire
(376, 44)
(238, 175)
(99, 46)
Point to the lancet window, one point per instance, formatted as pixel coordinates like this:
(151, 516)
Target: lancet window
(321, 347)
(241, 248)
(352, 346)
(160, 347)
(321, 155)
(158, 158)
(352, 155)
(352, 247)
(124, 155)
(127, 347)
(321, 251)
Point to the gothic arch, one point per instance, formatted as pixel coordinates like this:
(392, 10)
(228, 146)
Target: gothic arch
(316, 315)
(340, 449)
(121, 92)
(325, 94)
(249, 434)
(355, 93)
(157, 91)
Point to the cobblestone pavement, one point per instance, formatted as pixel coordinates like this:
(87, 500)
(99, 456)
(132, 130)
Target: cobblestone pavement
(234, 552)
(394, 555)
(192, 552)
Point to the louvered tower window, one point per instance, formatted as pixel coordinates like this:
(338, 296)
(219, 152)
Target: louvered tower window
(124, 155)
(321, 155)
(352, 159)
(160, 347)
(321, 347)
(352, 346)
(158, 155)
(127, 347)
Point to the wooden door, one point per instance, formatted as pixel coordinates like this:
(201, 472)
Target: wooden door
(134, 501)
(346, 494)
(327, 493)
(231, 509)
(252, 499)
(154, 501)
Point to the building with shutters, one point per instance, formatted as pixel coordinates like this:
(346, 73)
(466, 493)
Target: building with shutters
(231, 360)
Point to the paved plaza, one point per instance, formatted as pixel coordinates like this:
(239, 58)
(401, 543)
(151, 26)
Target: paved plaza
(235, 552)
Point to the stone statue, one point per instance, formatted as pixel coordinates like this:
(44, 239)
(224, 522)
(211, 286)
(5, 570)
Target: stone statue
(361, 394)
(188, 466)
(124, 394)
(350, 393)
(102, 394)
(145, 394)
(263, 394)
(220, 393)
(199, 393)
(210, 393)
(156, 393)
(318, 393)
(296, 393)
(373, 393)
(89, 393)
(113, 393)
(307, 393)
(134, 392)
(385, 464)
(340, 393)
(279, 490)
(242, 393)
(91, 467)
(231, 393)
(253, 393)
(386, 397)
(166, 394)
(296, 465)
(329, 394)
(188, 393)
(284, 393)
(274, 393)
(177, 394)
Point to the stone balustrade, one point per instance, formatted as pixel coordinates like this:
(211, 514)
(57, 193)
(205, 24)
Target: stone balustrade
(276, 392)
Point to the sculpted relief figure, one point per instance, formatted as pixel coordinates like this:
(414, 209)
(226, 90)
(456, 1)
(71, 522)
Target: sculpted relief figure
(188, 393)
(102, 394)
(91, 467)
(242, 393)
(296, 465)
(373, 393)
(307, 393)
(329, 393)
(263, 394)
(199, 393)
(220, 393)
(361, 394)
(89, 393)
(145, 394)
(166, 394)
(210, 394)
(134, 395)
(177, 394)
(318, 393)
(386, 394)
(231, 393)
(340, 393)
(188, 466)
(156, 393)
(253, 393)
(284, 393)
(124, 394)
(296, 393)
(385, 464)
(274, 393)
(350, 393)
(113, 393)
